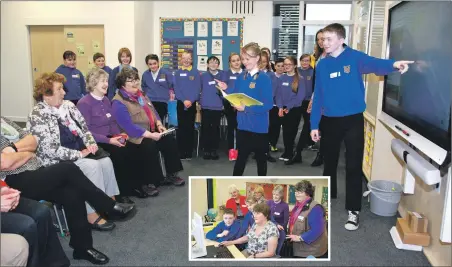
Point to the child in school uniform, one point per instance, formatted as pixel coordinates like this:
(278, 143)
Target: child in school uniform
(252, 135)
(306, 73)
(339, 94)
(124, 58)
(231, 114)
(211, 103)
(99, 61)
(275, 120)
(225, 230)
(74, 86)
(289, 96)
(156, 83)
(187, 88)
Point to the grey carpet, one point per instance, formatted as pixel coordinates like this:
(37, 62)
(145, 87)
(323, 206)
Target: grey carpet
(158, 234)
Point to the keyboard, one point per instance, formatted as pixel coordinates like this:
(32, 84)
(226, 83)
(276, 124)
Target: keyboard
(224, 253)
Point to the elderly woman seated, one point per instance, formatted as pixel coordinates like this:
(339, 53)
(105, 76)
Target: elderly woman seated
(63, 136)
(237, 202)
(278, 208)
(307, 226)
(137, 117)
(136, 167)
(263, 236)
(63, 183)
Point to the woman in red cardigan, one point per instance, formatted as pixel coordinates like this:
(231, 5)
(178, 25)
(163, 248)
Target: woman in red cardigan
(237, 202)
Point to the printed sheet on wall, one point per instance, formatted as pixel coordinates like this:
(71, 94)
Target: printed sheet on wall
(202, 37)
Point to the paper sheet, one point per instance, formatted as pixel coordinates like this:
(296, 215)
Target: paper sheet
(202, 63)
(233, 28)
(217, 46)
(80, 50)
(202, 48)
(189, 28)
(96, 46)
(217, 28)
(69, 35)
(203, 29)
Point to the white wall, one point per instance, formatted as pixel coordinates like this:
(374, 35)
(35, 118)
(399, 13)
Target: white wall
(16, 82)
(257, 27)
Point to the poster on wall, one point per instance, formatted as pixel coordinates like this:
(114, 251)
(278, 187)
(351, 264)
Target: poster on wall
(69, 36)
(80, 50)
(202, 63)
(233, 28)
(96, 46)
(189, 28)
(202, 47)
(220, 57)
(217, 46)
(217, 28)
(203, 29)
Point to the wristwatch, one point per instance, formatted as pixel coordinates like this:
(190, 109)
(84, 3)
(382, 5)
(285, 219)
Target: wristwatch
(13, 146)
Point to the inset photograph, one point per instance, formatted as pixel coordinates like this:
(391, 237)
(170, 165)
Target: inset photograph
(259, 218)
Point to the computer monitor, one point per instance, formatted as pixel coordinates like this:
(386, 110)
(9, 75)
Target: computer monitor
(199, 248)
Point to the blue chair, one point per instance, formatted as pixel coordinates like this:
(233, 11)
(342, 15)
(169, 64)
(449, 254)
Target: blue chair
(198, 132)
(172, 113)
(64, 231)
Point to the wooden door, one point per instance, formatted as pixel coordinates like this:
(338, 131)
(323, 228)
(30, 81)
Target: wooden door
(47, 48)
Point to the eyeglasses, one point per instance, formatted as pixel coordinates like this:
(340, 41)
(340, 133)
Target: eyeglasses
(298, 192)
(132, 80)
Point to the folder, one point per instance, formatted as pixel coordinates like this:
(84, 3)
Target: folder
(235, 99)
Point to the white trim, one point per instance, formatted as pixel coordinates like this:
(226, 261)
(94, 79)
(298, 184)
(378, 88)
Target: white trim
(64, 21)
(300, 30)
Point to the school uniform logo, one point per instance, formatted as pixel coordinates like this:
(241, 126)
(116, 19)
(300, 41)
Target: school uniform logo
(191, 78)
(308, 78)
(347, 69)
(252, 85)
(162, 76)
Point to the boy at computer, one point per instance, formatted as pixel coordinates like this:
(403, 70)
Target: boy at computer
(226, 230)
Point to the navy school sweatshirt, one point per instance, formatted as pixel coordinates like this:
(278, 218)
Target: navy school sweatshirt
(158, 90)
(285, 97)
(259, 86)
(74, 86)
(210, 95)
(107, 69)
(339, 88)
(232, 235)
(307, 77)
(187, 84)
(275, 82)
(112, 81)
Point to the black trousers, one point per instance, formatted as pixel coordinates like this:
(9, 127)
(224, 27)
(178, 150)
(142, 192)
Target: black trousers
(210, 129)
(33, 221)
(186, 127)
(64, 183)
(275, 126)
(351, 130)
(134, 166)
(290, 124)
(247, 143)
(161, 108)
(231, 117)
(305, 135)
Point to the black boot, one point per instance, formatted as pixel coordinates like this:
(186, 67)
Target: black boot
(295, 159)
(318, 160)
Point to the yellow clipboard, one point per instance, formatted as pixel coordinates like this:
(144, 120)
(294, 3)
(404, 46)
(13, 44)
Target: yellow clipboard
(239, 98)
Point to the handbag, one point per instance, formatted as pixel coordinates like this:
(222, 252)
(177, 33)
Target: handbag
(287, 249)
(100, 154)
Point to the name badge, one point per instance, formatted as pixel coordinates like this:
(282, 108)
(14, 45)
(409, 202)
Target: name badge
(243, 206)
(232, 78)
(183, 75)
(162, 80)
(252, 85)
(211, 82)
(108, 115)
(301, 218)
(333, 75)
(285, 84)
(277, 213)
(76, 76)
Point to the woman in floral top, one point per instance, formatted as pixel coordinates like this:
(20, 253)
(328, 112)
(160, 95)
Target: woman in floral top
(263, 236)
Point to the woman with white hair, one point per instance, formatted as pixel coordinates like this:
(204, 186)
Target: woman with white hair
(236, 202)
(279, 209)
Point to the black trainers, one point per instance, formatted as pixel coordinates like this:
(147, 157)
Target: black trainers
(353, 221)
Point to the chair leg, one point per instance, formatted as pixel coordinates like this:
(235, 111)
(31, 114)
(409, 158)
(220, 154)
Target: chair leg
(162, 163)
(58, 219)
(197, 145)
(65, 221)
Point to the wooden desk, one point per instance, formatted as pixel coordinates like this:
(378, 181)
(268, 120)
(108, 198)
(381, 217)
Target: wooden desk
(232, 248)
